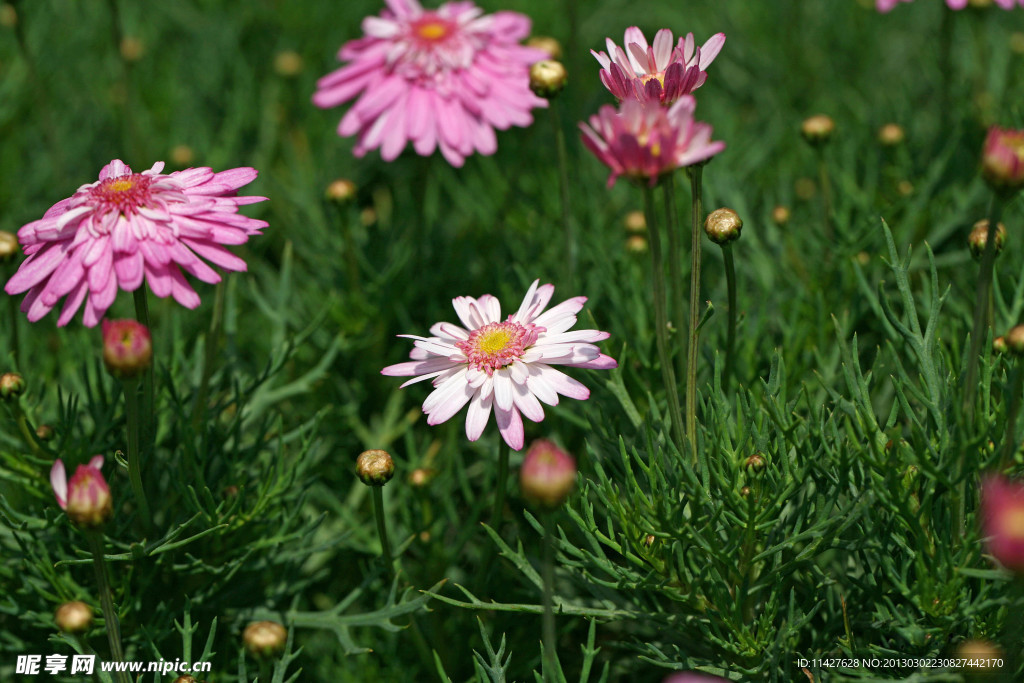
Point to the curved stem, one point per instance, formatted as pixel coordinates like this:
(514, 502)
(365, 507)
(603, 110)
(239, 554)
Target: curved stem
(730, 339)
(95, 539)
(501, 485)
(691, 357)
(826, 195)
(548, 624)
(978, 328)
(675, 276)
(661, 319)
(382, 529)
(131, 409)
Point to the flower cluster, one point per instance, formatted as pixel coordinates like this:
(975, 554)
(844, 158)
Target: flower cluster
(888, 5)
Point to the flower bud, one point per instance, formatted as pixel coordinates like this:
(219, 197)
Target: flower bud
(8, 15)
(264, 639)
(182, 155)
(818, 129)
(548, 474)
(780, 215)
(723, 226)
(132, 49)
(1014, 340)
(548, 78)
(999, 345)
(421, 476)
(1002, 159)
(341, 191)
(127, 347)
(1002, 520)
(186, 679)
(635, 221)
(745, 491)
(891, 135)
(8, 246)
(73, 617)
(12, 385)
(755, 463)
(979, 236)
(636, 244)
(44, 432)
(375, 467)
(548, 44)
(86, 498)
(288, 63)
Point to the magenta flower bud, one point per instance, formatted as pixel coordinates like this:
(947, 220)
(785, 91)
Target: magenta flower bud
(1002, 159)
(86, 498)
(548, 474)
(127, 347)
(688, 677)
(1002, 520)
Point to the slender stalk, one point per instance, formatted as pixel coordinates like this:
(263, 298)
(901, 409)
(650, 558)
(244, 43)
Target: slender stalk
(134, 424)
(691, 358)
(563, 184)
(548, 625)
(1010, 438)
(27, 434)
(501, 485)
(209, 356)
(661, 320)
(675, 276)
(988, 259)
(12, 325)
(148, 430)
(95, 539)
(382, 529)
(826, 195)
(730, 338)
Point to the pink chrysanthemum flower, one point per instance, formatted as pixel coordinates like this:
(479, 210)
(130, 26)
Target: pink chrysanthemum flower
(1002, 159)
(86, 498)
(506, 364)
(1002, 520)
(658, 72)
(443, 78)
(127, 227)
(888, 5)
(644, 142)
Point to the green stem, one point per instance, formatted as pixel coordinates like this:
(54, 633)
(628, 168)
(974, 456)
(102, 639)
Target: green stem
(209, 356)
(661, 319)
(501, 484)
(826, 196)
(978, 331)
(730, 339)
(1010, 438)
(382, 529)
(12, 325)
(548, 625)
(27, 434)
(95, 539)
(675, 276)
(692, 351)
(563, 184)
(131, 409)
(148, 430)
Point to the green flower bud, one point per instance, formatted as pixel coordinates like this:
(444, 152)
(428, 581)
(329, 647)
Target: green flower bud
(375, 467)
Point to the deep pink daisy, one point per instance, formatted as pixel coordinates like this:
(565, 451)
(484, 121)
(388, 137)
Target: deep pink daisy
(643, 142)
(1002, 520)
(126, 227)
(659, 72)
(888, 5)
(506, 364)
(443, 78)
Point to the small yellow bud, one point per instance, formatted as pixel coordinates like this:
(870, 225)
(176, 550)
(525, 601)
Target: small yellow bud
(818, 129)
(780, 215)
(264, 639)
(635, 221)
(755, 463)
(548, 78)
(288, 63)
(546, 43)
(12, 385)
(723, 226)
(341, 191)
(636, 244)
(73, 617)
(132, 49)
(891, 134)
(182, 155)
(8, 15)
(1015, 340)
(999, 345)
(8, 246)
(375, 467)
(979, 236)
(44, 433)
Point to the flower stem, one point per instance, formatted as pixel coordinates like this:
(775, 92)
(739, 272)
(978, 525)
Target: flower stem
(1010, 438)
(95, 539)
(382, 529)
(131, 409)
(502, 483)
(661, 320)
(978, 331)
(730, 339)
(12, 325)
(691, 358)
(826, 195)
(548, 625)
(675, 276)
(148, 430)
(563, 184)
(209, 355)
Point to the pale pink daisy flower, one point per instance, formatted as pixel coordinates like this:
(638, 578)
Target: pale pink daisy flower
(887, 5)
(129, 227)
(443, 78)
(658, 72)
(645, 142)
(506, 364)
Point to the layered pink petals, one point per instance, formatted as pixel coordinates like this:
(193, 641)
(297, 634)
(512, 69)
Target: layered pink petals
(129, 227)
(644, 142)
(503, 365)
(888, 5)
(659, 72)
(440, 79)
(1002, 520)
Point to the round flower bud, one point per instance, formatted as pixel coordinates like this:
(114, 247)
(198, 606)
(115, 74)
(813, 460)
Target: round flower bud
(548, 474)
(73, 617)
(780, 215)
(127, 347)
(999, 345)
(723, 226)
(375, 467)
(805, 188)
(341, 191)
(288, 63)
(905, 187)
(755, 463)
(8, 246)
(86, 498)
(546, 43)
(12, 385)
(818, 129)
(548, 78)
(1002, 159)
(649, 540)
(1002, 520)
(182, 155)
(44, 432)
(891, 135)
(635, 221)
(745, 491)
(1015, 340)
(636, 244)
(132, 49)
(421, 476)
(979, 236)
(186, 679)
(264, 639)
(8, 15)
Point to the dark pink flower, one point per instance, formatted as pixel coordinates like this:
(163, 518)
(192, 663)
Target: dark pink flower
(443, 78)
(645, 142)
(127, 347)
(887, 5)
(86, 498)
(1002, 159)
(1002, 520)
(659, 72)
(548, 474)
(129, 227)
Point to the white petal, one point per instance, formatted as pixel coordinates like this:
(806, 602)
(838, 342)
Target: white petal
(502, 389)
(527, 403)
(476, 417)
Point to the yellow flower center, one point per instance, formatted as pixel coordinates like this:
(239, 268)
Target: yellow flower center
(660, 77)
(120, 185)
(432, 30)
(494, 341)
